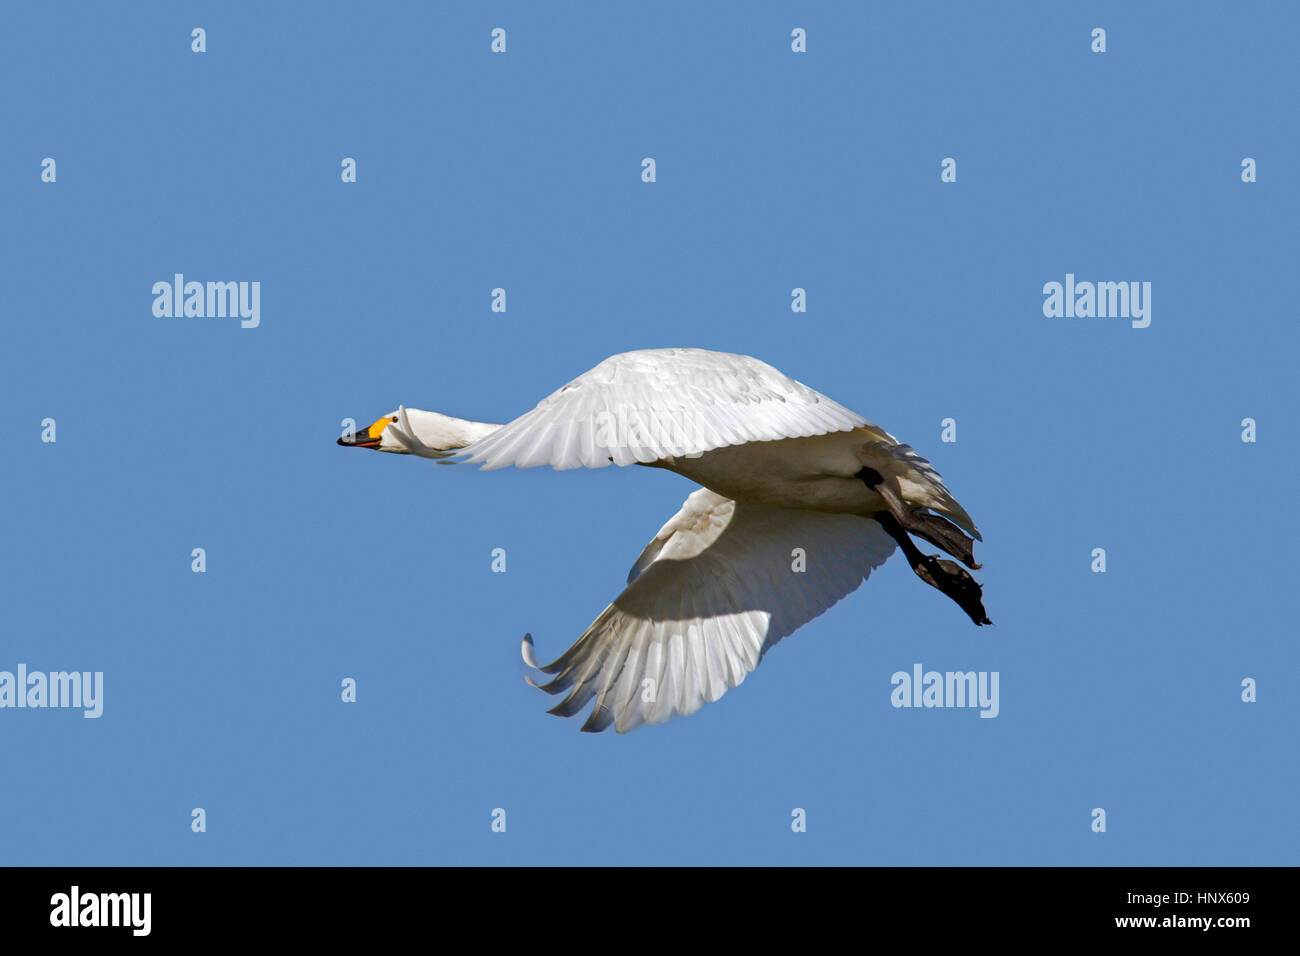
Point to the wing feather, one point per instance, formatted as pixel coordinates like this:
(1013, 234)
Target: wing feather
(709, 596)
(656, 403)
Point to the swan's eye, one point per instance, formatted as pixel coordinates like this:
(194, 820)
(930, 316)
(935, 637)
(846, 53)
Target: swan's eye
(394, 418)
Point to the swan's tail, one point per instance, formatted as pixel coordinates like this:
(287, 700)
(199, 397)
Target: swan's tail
(919, 483)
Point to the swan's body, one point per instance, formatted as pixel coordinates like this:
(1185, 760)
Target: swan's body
(786, 472)
(813, 474)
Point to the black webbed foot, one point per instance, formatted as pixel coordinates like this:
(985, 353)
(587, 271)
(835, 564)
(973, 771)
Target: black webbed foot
(947, 576)
(955, 581)
(942, 533)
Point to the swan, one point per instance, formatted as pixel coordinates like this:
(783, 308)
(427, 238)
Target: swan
(800, 500)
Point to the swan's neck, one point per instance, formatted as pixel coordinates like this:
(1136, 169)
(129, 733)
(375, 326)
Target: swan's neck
(444, 433)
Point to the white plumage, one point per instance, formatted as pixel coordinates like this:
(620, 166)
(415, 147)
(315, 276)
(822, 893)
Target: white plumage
(707, 598)
(784, 468)
(665, 403)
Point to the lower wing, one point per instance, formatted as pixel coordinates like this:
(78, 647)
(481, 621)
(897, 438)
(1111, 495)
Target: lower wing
(720, 584)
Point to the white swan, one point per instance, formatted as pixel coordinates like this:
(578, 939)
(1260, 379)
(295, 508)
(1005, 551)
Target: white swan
(790, 479)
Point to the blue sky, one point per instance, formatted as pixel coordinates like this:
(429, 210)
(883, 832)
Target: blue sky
(522, 170)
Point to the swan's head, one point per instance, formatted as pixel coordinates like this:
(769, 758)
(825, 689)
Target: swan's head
(377, 436)
(410, 431)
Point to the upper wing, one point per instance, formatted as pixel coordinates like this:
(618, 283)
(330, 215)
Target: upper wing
(710, 594)
(647, 405)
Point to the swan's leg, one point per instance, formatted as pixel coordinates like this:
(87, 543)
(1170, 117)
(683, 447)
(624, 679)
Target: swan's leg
(940, 532)
(948, 576)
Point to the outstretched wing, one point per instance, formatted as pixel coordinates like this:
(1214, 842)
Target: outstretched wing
(652, 404)
(711, 593)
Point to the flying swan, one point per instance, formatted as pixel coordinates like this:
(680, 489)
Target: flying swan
(789, 478)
